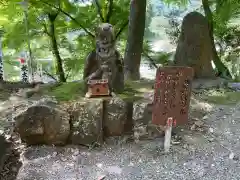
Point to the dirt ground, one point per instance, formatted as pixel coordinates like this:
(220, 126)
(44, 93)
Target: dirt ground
(212, 153)
(209, 148)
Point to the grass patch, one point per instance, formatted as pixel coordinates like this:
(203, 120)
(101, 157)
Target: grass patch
(222, 96)
(66, 91)
(74, 90)
(134, 90)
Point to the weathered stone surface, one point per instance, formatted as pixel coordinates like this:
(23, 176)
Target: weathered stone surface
(105, 62)
(116, 112)
(43, 124)
(86, 121)
(209, 84)
(194, 46)
(142, 119)
(234, 86)
(4, 149)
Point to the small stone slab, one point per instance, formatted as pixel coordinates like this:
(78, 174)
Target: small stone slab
(115, 116)
(86, 122)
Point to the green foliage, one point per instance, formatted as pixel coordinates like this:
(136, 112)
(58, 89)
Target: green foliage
(75, 26)
(179, 3)
(80, 21)
(66, 91)
(222, 96)
(74, 90)
(149, 15)
(155, 58)
(227, 33)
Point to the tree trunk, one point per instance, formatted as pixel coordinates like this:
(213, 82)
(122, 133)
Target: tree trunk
(222, 69)
(59, 71)
(134, 44)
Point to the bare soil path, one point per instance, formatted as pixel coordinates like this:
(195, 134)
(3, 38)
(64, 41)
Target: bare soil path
(209, 155)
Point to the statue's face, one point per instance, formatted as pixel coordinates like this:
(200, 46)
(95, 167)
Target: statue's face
(105, 33)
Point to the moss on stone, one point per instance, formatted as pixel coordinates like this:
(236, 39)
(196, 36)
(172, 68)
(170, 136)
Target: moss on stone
(66, 91)
(222, 96)
(74, 90)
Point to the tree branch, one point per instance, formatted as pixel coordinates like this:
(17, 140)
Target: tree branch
(52, 16)
(110, 11)
(50, 75)
(121, 29)
(45, 28)
(150, 60)
(68, 15)
(98, 6)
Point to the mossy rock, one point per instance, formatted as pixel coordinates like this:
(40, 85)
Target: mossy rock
(65, 91)
(222, 96)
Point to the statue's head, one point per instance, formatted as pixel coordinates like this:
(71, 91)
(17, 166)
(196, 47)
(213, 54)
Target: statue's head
(105, 33)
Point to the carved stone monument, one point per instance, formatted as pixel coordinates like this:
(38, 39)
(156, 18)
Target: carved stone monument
(105, 62)
(194, 47)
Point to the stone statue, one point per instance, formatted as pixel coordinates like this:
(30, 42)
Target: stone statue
(105, 62)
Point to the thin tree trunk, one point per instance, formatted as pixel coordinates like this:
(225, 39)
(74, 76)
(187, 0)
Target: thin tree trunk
(1, 60)
(222, 69)
(134, 45)
(55, 51)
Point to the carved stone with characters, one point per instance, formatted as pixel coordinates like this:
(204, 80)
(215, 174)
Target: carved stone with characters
(172, 95)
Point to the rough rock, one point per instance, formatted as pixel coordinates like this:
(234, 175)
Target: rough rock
(199, 109)
(86, 122)
(194, 46)
(116, 116)
(209, 84)
(43, 124)
(142, 119)
(3, 150)
(234, 86)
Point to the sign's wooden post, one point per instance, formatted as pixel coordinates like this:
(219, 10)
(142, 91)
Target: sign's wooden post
(171, 98)
(168, 135)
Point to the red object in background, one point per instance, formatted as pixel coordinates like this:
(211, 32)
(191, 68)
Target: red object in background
(22, 61)
(98, 87)
(172, 92)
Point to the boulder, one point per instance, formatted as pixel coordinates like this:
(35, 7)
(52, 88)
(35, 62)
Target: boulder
(116, 116)
(142, 119)
(194, 47)
(43, 123)
(86, 121)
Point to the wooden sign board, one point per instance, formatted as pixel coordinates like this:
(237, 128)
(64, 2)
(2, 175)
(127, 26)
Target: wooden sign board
(172, 92)
(98, 87)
